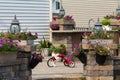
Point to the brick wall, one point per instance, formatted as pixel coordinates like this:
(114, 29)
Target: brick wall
(109, 71)
(17, 70)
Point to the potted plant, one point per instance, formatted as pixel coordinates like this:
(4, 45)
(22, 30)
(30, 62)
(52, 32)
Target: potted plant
(62, 48)
(80, 53)
(54, 26)
(106, 23)
(8, 51)
(44, 46)
(100, 36)
(26, 38)
(36, 58)
(101, 52)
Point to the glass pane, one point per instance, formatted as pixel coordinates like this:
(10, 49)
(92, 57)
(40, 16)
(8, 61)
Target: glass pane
(57, 5)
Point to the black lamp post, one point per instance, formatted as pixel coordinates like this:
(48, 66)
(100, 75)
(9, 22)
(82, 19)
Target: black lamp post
(98, 26)
(15, 26)
(62, 11)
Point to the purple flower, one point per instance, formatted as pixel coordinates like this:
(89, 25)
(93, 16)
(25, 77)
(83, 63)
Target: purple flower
(36, 35)
(75, 46)
(10, 39)
(0, 45)
(3, 41)
(30, 33)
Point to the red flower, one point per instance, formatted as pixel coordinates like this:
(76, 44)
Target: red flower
(54, 18)
(54, 26)
(118, 17)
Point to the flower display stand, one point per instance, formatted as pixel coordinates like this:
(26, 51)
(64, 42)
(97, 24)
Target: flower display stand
(99, 69)
(64, 24)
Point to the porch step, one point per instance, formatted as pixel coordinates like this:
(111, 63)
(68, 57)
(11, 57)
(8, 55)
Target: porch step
(78, 78)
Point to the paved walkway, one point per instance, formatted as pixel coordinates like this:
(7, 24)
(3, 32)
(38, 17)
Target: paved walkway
(42, 71)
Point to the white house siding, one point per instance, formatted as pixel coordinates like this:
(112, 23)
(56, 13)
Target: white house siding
(32, 14)
(83, 10)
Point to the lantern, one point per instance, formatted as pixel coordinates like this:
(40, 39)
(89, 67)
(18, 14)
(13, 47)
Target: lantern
(15, 27)
(98, 26)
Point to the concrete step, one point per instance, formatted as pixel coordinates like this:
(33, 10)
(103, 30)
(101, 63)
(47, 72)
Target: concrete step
(62, 79)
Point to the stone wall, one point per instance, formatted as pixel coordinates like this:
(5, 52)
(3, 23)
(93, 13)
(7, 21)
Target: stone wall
(17, 70)
(67, 38)
(109, 71)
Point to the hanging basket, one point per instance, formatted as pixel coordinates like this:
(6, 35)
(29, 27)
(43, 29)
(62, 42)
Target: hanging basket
(33, 62)
(100, 59)
(82, 57)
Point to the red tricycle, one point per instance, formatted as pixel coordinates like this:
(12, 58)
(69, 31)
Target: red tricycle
(66, 61)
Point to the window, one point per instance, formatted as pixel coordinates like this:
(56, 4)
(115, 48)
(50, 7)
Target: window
(57, 5)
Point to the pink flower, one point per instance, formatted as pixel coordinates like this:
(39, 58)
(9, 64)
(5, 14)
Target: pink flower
(75, 46)
(118, 17)
(0, 45)
(68, 17)
(54, 18)
(54, 26)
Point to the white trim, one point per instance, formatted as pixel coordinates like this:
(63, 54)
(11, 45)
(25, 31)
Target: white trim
(50, 7)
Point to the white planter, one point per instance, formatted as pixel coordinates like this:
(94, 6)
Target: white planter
(106, 28)
(45, 51)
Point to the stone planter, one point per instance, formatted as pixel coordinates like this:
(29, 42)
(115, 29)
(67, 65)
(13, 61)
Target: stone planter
(8, 57)
(63, 21)
(114, 22)
(106, 42)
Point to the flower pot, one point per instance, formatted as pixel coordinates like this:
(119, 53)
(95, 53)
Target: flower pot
(100, 59)
(82, 57)
(45, 51)
(33, 62)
